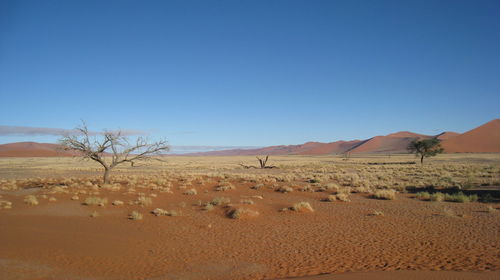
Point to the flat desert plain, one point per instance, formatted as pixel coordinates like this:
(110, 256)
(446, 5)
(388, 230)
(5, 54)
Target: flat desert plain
(312, 217)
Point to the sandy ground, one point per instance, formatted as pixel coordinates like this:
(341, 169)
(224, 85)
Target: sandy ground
(58, 240)
(412, 239)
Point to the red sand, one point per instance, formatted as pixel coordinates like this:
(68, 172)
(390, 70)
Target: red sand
(483, 139)
(57, 240)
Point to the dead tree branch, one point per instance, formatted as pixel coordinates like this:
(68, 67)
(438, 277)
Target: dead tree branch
(112, 145)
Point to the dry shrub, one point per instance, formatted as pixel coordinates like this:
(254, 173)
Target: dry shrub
(306, 188)
(257, 187)
(242, 213)
(135, 216)
(220, 201)
(160, 212)
(247, 201)
(31, 200)
(331, 198)
(284, 189)
(344, 197)
(302, 207)
(117, 203)
(385, 194)
(224, 187)
(4, 204)
(191, 192)
(92, 200)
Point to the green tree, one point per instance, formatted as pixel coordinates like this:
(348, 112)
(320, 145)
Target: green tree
(425, 148)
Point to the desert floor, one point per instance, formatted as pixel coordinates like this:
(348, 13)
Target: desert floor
(253, 233)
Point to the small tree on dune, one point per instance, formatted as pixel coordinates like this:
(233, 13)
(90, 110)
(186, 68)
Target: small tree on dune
(425, 148)
(111, 149)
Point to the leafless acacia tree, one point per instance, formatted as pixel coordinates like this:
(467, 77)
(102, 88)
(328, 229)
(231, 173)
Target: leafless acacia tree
(111, 148)
(262, 163)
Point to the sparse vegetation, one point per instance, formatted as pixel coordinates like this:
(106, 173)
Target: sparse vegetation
(31, 200)
(302, 207)
(92, 200)
(385, 194)
(240, 213)
(191, 192)
(135, 216)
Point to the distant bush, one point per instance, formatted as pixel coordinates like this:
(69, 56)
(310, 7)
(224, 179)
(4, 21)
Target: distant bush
(135, 216)
(191, 192)
(284, 189)
(31, 200)
(385, 194)
(240, 213)
(301, 207)
(92, 200)
(220, 201)
(225, 187)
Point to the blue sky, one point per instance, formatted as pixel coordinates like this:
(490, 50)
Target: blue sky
(249, 73)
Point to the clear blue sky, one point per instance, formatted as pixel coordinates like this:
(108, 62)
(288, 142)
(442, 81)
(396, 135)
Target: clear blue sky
(250, 73)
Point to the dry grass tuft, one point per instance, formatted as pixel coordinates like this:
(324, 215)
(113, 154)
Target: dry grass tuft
(302, 207)
(385, 194)
(284, 189)
(135, 216)
(190, 192)
(117, 203)
(247, 201)
(241, 213)
(220, 201)
(224, 187)
(4, 204)
(31, 200)
(92, 200)
(344, 197)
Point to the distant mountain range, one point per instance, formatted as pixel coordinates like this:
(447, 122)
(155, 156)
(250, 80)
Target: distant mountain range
(483, 139)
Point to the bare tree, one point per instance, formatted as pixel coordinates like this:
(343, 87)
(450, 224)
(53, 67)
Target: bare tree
(262, 163)
(111, 148)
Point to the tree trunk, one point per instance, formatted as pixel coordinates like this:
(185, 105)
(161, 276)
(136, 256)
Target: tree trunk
(422, 159)
(106, 175)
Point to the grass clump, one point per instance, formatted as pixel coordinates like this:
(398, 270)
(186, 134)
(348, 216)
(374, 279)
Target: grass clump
(220, 201)
(284, 189)
(247, 201)
(460, 197)
(31, 200)
(385, 194)
(302, 207)
(94, 214)
(344, 197)
(241, 213)
(117, 203)
(437, 196)
(191, 192)
(160, 212)
(135, 216)
(257, 187)
(4, 204)
(224, 187)
(331, 198)
(93, 200)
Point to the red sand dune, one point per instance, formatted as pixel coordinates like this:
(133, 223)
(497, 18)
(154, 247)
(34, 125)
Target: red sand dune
(392, 143)
(483, 139)
(447, 135)
(32, 149)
